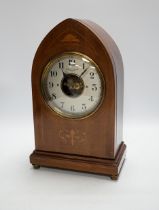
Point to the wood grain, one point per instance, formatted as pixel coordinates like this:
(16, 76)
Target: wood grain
(102, 130)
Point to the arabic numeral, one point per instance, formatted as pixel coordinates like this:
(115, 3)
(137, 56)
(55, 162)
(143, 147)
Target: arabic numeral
(83, 65)
(53, 73)
(91, 98)
(72, 108)
(62, 104)
(84, 107)
(91, 75)
(61, 65)
(53, 96)
(94, 87)
(71, 62)
(51, 84)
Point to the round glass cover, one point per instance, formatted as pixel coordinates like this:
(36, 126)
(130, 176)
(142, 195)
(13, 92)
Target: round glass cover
(72, 85)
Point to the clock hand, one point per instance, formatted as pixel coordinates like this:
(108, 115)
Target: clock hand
(84, 71)
(64, 74)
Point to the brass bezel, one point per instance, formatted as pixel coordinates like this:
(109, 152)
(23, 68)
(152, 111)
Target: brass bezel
(45, 94)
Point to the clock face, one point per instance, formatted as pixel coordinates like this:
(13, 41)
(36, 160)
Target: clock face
(73, 85)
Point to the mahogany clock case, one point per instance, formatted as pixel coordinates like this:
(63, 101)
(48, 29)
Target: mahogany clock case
(93, 144)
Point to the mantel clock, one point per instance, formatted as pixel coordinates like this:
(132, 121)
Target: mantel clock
(77, 89)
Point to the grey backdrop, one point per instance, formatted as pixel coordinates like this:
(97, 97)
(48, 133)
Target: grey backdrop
(134, 25)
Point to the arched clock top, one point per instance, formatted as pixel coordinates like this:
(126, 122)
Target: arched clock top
(78, 32)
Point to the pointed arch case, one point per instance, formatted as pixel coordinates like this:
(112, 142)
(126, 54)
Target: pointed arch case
(92, 144)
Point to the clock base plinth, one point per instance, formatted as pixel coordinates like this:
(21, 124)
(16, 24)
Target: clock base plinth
(108, 167)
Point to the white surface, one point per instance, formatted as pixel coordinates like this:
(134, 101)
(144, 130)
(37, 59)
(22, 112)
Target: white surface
(88, 100)
(134, 25)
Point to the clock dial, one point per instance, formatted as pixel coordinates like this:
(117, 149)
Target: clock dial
(73, 85)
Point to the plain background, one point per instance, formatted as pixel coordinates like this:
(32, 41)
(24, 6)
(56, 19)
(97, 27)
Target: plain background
(134, 25)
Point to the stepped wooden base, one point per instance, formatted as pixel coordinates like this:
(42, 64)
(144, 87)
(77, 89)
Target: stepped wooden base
(109, 167)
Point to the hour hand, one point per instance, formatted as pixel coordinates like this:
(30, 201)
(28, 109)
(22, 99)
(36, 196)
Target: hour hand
(64, 74)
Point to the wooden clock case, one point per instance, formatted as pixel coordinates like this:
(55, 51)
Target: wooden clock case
(93, 144)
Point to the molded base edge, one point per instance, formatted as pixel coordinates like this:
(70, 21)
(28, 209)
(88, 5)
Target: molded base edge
(108, 167)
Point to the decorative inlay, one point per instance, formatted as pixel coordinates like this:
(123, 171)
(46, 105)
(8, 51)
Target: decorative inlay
(70, 38)
(72, 136)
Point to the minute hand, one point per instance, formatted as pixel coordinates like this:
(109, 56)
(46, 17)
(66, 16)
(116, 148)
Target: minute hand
(84, 71)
